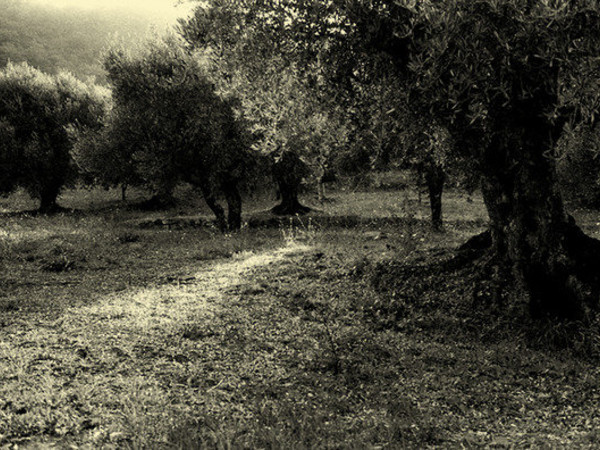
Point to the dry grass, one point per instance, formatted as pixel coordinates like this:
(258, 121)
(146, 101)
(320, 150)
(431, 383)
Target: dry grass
(114, 335)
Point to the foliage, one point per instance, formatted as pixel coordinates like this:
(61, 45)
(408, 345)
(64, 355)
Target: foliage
(578, 164)
(39, 114)
(169, 123)
(101, 161)
(280, 96)
(286, 117)
(475, 62)
(8, 157)
(379, 121)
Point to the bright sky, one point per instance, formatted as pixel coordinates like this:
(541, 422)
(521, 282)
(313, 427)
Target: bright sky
(167, 10)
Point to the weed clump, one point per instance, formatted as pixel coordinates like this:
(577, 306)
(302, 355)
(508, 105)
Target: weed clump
(60, 257)
(9, 305)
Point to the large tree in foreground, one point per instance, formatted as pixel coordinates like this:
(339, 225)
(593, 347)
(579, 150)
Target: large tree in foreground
(38, 114)
(504, 77)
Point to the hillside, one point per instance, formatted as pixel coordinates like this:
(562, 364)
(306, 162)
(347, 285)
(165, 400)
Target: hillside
(54, 39)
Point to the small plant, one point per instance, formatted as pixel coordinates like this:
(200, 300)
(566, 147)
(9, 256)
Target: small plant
(298, 231)
(61, 264)
(61, 257)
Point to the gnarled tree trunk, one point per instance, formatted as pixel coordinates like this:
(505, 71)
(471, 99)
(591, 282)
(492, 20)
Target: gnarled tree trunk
(435, 177)
(216, 208)
(532, 236)
(234, 206)
(321, 191)
(288, 171)
(48, 203)
(325, 175)
(48, 193)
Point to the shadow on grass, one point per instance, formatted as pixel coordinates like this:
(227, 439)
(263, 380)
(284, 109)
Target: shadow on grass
(441, 294)
(59, 210)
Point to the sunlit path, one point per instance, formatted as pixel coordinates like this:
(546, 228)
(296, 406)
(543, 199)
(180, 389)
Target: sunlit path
(158, 308)
(118, 359)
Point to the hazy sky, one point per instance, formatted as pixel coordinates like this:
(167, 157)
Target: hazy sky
(164, 10)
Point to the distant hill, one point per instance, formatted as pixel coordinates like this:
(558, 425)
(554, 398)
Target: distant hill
(54, 39)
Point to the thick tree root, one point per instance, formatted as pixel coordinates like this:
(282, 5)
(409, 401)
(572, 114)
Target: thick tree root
(572, 289)
(478, 243)
(567, 288)
(285, 209)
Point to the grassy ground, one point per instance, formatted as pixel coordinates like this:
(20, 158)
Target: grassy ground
(118, 330)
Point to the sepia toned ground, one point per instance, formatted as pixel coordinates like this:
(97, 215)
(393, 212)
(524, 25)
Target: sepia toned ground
(128, 329)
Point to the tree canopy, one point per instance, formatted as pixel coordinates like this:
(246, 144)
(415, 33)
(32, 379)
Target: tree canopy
(169, 123)
(39, 114)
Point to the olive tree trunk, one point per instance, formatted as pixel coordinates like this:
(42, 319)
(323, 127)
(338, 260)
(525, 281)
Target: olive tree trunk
(288, 172)
(215, 207)
(48, 197)
(48, 192)
(532, 236)
(234, 206)
(435, 178)
(321, 191)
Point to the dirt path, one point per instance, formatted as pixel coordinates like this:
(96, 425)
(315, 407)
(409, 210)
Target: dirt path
(108, 373)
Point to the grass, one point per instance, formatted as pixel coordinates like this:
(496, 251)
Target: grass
(306, 334)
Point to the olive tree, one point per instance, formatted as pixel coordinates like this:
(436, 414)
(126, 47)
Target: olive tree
(168, 119)
(279, 95)
(504, 77)
(293, 129)
(39, 115)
